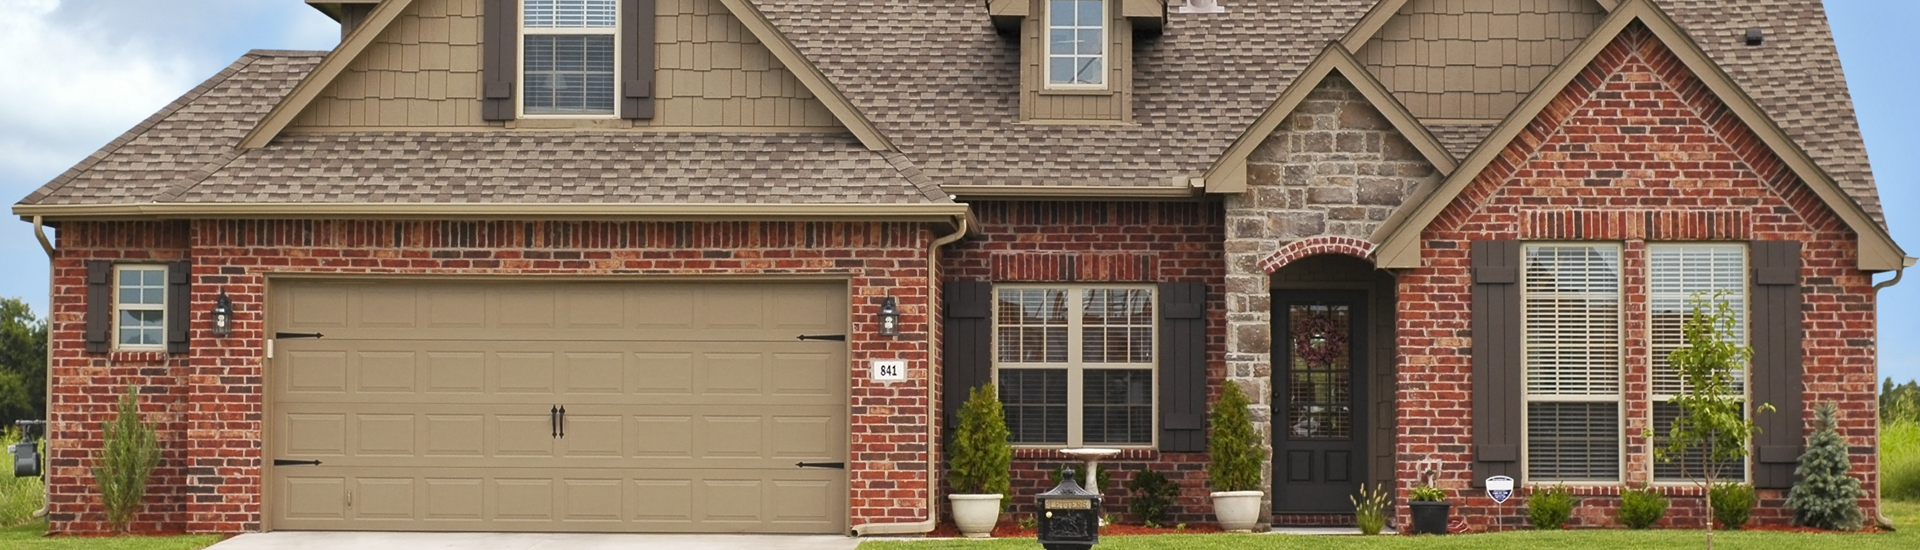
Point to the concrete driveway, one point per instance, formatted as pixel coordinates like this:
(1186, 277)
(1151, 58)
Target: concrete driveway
(317, 540)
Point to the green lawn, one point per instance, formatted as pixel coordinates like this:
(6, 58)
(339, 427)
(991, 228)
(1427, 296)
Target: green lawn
(33, 537)
(1906, 515)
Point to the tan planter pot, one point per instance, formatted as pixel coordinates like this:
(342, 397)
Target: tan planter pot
(1237, 511)
(975, 514)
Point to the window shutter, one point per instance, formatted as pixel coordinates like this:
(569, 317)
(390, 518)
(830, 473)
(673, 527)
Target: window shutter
(1497, 368)
(636, 59)
(179, 304)
(99, 306)
(500, 52)
(1776, 361)
(1183, 367)
(967, 344)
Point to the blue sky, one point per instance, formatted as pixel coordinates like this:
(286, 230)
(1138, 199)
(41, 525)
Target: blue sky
(74, 74)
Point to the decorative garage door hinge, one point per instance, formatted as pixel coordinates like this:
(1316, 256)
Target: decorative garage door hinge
(833, 465)
(833, 337)
(286, 462)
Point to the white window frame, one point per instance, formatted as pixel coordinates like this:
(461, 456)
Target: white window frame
(1744, 324)
(1618, 398)
(1106, 47)
(520, 62)
(1076, 367)
(119, 272)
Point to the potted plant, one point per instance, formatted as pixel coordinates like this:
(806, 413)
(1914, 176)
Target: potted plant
(1430, 509)
(1235, 457)
(981, 465)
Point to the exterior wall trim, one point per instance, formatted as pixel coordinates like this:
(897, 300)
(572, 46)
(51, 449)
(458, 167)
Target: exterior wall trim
(728, 212)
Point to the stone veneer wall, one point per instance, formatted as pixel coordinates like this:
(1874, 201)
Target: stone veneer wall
(1321, 183)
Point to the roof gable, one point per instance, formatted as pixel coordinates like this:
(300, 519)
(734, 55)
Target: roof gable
(1399, 238)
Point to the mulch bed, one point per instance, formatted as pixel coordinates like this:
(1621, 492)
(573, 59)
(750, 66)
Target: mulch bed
(1012, 530)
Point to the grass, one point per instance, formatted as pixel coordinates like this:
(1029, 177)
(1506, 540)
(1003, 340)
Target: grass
(19, 497)
(1900, 460)
(33, 537)
(1906, 515)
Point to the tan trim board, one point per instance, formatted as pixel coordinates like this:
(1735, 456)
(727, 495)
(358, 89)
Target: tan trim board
(1399, 237)
(1370, 24)
(736, 130)
(1228, 174)
(1067, 191)
(1608, 5)
(497, 211)
(808, 75)
(330, 68)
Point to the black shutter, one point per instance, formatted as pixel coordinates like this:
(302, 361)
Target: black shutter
(636, 67)
(967, 344)
(99, 305)
(1497, 368)
(179, 304)
(1183, 367)
(500, 63)
(1776, 361)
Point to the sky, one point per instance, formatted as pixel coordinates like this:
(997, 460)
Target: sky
(74, 74)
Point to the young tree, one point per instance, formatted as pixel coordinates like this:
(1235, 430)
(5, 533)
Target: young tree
(23, 362)
(1711, 419)
(129, 451)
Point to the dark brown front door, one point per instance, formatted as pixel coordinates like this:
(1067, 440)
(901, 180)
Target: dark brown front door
(1319, 351)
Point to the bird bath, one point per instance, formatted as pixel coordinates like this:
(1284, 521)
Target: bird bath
(1092, 458)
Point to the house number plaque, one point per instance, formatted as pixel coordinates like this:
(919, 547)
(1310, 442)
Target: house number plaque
(891, 370)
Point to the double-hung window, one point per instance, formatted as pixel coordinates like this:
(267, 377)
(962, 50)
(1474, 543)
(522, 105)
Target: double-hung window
(568, 57)
(1074, 363)
(1571, 347)
(1676, 274)
(140, 306)
(1076, 44)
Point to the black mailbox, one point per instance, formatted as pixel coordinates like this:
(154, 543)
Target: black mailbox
(26, 453)
(1069, 516)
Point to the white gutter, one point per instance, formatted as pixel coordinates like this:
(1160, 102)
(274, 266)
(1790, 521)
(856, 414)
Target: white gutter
(1879, 508)
(933, 441)
(46, 430)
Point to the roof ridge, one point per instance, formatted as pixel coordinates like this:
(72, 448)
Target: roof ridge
(141, 129)
(258, 52)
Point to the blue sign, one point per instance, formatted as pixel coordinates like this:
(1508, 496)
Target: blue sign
(1500, 488)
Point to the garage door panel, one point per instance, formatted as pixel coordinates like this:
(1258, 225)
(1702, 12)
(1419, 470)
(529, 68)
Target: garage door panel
(384, 435)
(455, 309)
(596, 372)
(593, 500)
(591, 436)
(385, 308)
(315, 434)
(315, 371)
(801, 437)
(524, 372)
(521, 499)
(455, 498)
(456, 372)
(807, 374)
(455, 435)
(660, 501)
(662, 373)
(385, 372)
(315, 498)
(517, 435)
(317, 307)
(525, 309)
(384, 498)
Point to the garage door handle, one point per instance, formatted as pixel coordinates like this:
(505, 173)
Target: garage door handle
(833, 465)
(285, 462)
(553, 421)
(562, 424)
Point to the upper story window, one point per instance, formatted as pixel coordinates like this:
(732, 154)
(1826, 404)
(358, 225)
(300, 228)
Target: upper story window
(568, 57)
(1075, 364)
(1570, 300)
(140, 305)
(1076, 44)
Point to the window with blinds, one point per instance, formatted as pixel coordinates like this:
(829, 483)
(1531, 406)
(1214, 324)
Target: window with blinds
(568, 56)
(1074, 364)
(1677, 272)
(1570, 301)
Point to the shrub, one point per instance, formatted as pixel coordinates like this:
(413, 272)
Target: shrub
(1900, 460)
(1427, 493)
(1153, 496)
(1080, 477)
(1234, 450)
(1732, 504)
(19, 497)
(1370, 509)
(1550, 508)
(982, 458)
(1641, 508)
(129, 452)
(1825, 497)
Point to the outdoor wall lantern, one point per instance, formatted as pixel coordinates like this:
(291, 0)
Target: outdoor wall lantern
(889, 317)
(1069, 515)
(223, 316)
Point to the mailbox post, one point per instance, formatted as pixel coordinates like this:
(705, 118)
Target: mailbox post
(1069, 516)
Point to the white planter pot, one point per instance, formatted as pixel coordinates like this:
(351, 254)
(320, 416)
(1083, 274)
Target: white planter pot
(1238, 511)
(976, 514)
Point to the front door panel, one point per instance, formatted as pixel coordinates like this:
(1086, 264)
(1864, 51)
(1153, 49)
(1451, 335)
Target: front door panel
(1319, 417)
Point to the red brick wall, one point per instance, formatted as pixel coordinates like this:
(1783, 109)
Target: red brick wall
(1636, 149)
(1104, 241)
(207, 403)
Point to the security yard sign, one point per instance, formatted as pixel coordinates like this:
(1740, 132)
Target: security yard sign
(1500, 487)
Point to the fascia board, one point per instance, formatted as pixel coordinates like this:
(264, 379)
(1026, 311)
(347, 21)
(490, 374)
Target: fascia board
(494, 211)
(808, 74)
(330, 68)
(1068, 191)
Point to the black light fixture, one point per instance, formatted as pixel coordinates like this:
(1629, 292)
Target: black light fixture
(889, 317)
(223, 316)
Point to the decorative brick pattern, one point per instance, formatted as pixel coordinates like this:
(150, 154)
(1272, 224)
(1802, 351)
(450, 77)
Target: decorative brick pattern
(208, 404)
(1636, 130)
(1182, 238)
(1313, 246)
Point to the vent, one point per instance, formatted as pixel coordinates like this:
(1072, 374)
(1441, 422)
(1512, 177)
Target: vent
(1756, 37)
(1201, 6)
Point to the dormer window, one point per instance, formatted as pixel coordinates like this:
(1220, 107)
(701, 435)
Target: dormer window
(1076, 44)
(568, 57)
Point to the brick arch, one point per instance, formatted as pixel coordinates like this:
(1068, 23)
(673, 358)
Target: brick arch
(1312, 246)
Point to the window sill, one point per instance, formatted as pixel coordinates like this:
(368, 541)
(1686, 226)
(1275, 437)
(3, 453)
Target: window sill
(127, 356)
(568, 123)
(1078, 91)
(1064, 122)
(1053, 453)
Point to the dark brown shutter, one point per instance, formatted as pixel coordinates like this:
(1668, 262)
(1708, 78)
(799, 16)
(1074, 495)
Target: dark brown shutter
(99, 305)
(636, 67)
(1776, 361)
(179, 304)
(1183, 367)
(500, 63)
(967, 344)
(1497, 368)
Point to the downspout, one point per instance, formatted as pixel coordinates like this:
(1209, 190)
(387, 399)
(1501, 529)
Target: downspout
(46, 430)
(933, 440)
(1880, 511)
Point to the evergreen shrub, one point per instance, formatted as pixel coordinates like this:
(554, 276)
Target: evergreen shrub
(1234, 451)
(1153, 496)
(129, 452)
(1640, 508)
(1826, 497)
(1732, 504)
(1549, 508)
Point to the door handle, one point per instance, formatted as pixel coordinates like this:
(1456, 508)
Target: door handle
(563, 422)
(553, 422)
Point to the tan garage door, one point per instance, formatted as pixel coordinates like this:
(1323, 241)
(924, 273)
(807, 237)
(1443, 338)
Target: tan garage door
(434, 406)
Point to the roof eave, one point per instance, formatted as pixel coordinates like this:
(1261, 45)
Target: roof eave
(494, 211)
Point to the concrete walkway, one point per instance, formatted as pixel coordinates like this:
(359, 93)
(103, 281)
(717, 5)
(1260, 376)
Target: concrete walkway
(317, 540)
